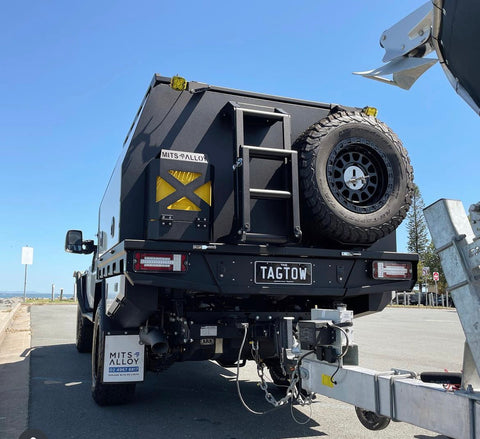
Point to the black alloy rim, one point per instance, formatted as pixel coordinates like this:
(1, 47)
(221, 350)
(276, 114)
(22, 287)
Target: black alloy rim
(359, 175)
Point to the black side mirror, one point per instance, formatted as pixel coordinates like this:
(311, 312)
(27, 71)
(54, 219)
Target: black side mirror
(74, 243)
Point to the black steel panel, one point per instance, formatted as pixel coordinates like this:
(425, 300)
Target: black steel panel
(163, 222)
(199, 123)
(227, 273)
(264, 250)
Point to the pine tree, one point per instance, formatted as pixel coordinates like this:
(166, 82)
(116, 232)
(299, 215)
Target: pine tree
(416, 227)
(432, 260)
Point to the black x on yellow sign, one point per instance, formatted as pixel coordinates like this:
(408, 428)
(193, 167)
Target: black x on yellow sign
(184, 188)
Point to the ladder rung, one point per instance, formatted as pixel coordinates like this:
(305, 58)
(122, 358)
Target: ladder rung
(264, 114)
(270, 193)
(268, 153)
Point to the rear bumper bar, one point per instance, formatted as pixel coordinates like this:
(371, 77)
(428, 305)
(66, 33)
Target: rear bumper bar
(230, 269)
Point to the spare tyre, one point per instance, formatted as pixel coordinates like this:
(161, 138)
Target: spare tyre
(355, 177)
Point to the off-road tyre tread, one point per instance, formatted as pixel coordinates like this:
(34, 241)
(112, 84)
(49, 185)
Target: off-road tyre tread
(371, 420)
(106, 394)
(276, 373)
(321, 217)
(84, 336)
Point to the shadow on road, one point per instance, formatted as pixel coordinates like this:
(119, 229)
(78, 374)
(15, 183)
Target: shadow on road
(422, 436)
(14, 396)
(190, 400)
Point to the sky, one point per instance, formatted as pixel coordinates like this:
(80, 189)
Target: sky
(74, 73)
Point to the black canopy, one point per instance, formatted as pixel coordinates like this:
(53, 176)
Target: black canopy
(459, 44)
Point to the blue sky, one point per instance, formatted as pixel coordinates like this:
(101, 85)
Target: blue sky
(74, 74)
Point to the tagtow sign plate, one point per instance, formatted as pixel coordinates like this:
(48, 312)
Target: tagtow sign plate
(124, 359)
(283, 273)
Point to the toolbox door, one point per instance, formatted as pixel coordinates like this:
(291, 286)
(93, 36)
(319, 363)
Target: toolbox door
(180, 188)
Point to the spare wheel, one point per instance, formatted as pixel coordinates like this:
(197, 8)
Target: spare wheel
(355, 177)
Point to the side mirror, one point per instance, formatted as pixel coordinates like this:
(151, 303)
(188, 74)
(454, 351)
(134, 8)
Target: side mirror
(74, 243)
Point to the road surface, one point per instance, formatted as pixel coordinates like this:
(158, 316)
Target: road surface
(199, 400)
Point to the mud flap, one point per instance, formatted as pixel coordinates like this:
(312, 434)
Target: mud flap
(124, 359)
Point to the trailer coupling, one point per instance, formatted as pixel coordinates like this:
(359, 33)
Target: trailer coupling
(323, 359)
(429, 400)
(328, 335)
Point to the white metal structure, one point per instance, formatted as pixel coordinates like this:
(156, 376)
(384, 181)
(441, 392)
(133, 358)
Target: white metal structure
(397, 394)
(408, 42)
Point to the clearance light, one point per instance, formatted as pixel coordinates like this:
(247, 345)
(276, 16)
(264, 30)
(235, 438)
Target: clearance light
(178, 83)
(392, 270)
(159, 262)
(370, 111)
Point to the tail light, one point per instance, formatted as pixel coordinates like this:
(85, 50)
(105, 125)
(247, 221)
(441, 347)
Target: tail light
(160, 262)
(392, 270)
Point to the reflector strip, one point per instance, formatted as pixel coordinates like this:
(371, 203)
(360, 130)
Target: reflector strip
(159, 262)
(164, 189)
(184, 204)
(392, 270)
(184, 177)
(205, 192)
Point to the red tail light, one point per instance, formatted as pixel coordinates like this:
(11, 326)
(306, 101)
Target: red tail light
(392, 270)
(160, 262)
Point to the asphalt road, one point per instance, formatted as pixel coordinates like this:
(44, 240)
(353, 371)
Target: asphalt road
(199, 400)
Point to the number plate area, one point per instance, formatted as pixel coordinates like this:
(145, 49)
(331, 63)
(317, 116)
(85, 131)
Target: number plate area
(283, 273)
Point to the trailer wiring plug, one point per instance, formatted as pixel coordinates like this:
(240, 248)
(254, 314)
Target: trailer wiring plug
(345, 351)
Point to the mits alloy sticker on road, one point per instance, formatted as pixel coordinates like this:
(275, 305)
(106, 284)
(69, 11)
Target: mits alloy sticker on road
(283, 273)
(124, 359)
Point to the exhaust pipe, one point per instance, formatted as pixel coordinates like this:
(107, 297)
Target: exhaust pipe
(155, 338)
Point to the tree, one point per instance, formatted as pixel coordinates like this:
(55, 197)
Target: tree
(432, 260)
(418, 239)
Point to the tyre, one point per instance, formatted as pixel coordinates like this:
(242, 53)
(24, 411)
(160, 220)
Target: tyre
(277, 374)
(355, 177)
(84, 336)
(371, 420)
(105, 394)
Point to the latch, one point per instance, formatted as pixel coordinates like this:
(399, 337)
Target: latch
(238, 163)
(167, 220)
(340, 274)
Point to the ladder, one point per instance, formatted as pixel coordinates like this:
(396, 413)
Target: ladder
(244, 192)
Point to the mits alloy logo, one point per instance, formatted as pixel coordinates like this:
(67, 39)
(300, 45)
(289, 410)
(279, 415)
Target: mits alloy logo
(124, 359)
(124, 362)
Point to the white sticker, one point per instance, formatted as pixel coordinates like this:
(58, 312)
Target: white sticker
(184, 156)
(124, 359)
(208, 331)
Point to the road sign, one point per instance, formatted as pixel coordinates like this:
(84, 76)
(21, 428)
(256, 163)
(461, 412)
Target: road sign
(436, 276)
(27, 259)
(425, 271)
(27, 255)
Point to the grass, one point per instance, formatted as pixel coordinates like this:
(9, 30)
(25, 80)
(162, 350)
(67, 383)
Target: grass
(56, 301)
(394, 305)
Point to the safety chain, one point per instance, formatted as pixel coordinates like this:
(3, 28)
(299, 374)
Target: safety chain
(292, 390)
